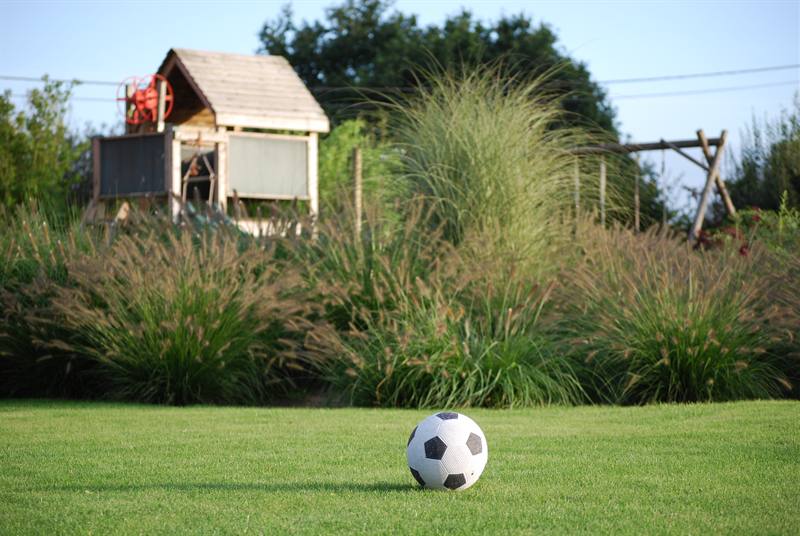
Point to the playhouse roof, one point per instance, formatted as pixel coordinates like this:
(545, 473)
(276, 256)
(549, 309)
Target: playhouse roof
(248, 91)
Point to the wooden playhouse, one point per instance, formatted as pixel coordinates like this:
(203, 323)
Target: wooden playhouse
(222, 126)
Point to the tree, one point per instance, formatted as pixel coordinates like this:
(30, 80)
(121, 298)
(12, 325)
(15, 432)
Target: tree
(769, 163)
(363, 46)
(38, 153)
(366, 49)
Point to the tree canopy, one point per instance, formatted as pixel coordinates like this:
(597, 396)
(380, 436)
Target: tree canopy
(365, 45)
(38, 154)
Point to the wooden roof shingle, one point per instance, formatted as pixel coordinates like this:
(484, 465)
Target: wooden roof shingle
(249, 91)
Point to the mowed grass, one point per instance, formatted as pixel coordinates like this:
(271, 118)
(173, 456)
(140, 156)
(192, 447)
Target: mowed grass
(112, 468)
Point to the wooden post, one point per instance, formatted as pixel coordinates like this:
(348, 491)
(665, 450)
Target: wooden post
(222, 173)
(357, 191)
(174, 191)
(661, 176)
(90, 214)
(313, 177)
(577, 187)
(95, 169)
(694, 232)
(130, 89)
(636, 197)
(603, 191)
(723, 191)
(162, 98)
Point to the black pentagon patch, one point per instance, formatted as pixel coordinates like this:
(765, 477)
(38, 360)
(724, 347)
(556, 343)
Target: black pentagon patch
(417, 476)
(455, 481)
(414, 431)
(447, 416)
(474, 444)
(434, 448)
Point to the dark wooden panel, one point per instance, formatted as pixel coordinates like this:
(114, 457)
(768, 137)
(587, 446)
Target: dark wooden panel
(132, 165)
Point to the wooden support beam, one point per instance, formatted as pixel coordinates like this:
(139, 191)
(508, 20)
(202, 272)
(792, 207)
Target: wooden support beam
(313, 177)
(162, 103)
(723, 191)
(174, 190)
(603, 191)
(636, 147)
(130, 89)
(222, 175)
(357, 183)
(686, 155)
(200, 136)
(694, 232)
(212, 180)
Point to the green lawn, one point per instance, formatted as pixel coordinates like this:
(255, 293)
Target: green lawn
(100, 468)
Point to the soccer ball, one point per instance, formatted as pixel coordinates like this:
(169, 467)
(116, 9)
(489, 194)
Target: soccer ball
(447, 451)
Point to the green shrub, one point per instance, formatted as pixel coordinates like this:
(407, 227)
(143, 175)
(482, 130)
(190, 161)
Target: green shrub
(778, 230)
(379, 162)
(183, 318)
(657, 321)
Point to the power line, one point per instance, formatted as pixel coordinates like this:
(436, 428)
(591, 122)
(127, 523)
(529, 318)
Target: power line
(702, 91)
(612, 97)
(62, 80)
(73, 98)
(700, 75)
(615, 81)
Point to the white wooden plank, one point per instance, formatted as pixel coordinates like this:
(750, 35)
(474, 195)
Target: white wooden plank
(274, 123)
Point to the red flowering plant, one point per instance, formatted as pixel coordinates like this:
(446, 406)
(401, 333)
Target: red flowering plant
(777, 230)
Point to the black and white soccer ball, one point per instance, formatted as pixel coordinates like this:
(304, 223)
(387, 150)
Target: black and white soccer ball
(447, 451)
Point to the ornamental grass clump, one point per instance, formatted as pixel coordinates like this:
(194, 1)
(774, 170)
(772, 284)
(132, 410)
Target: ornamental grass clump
(783, 271)
(657, 322)
(35, 246)
(184, 317)
(420, 325)
(492, 159)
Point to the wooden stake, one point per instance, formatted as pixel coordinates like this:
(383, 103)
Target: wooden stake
(603, 191)
(130, 89)
(96, 170)
(357, 182)
(723, 191)
(661, 175)
(577, 187)
(694, 232)
(636, 197)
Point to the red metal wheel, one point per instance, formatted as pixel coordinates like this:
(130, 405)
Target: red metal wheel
(149, 95)
(140, 103)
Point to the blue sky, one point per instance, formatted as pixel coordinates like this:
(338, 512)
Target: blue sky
(111, 40)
